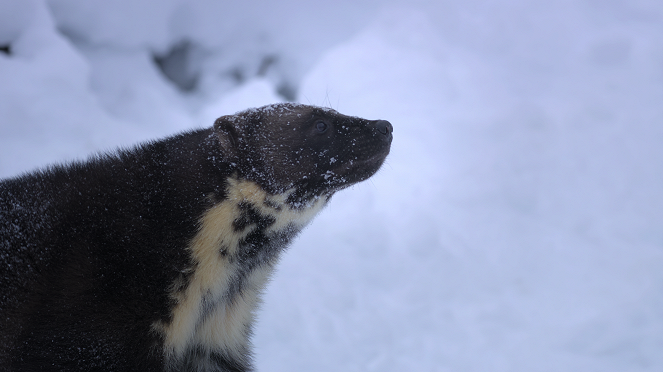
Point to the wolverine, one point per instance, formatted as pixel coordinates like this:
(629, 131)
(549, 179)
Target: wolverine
(153, 258)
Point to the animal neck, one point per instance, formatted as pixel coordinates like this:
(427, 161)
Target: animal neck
(237, 244)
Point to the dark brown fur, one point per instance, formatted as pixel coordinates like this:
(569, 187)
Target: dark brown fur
(94, 254)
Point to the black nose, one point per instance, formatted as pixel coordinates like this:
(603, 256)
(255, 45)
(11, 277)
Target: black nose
(384, 127)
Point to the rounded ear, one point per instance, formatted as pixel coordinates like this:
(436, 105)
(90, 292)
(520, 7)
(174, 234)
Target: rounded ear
(227, 134)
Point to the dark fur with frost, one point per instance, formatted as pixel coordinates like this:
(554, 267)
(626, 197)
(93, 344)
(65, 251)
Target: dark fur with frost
(89, 251)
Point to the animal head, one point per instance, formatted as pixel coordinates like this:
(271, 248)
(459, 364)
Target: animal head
(312, 150)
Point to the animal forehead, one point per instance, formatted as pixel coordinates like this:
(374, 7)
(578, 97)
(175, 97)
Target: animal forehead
(289, 108)
(296, 110)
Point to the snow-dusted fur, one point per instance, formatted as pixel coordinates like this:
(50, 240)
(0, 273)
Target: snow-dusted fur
(153, 259)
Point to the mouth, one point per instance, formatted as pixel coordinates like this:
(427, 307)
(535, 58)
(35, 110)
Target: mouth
(355, 170)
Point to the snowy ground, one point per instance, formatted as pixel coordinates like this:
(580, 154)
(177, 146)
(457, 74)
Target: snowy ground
(518, 222)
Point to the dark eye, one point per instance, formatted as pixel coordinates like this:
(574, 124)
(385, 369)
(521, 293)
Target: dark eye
(321, 126)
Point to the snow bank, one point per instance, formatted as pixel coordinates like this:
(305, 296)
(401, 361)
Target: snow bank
(512, 227)
(120, 72)
(44, 100)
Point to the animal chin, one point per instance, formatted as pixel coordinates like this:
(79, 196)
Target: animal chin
(353, 171)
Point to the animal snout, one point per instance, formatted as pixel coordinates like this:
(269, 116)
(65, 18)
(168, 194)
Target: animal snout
(384, 127)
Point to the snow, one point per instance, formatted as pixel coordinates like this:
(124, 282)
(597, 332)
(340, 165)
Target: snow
(518, 222)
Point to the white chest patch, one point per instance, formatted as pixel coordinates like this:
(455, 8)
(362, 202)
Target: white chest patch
(205, 315)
